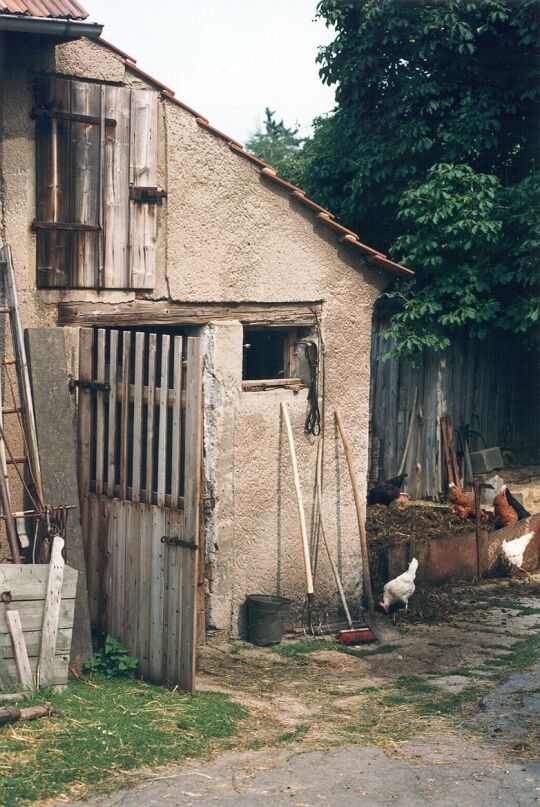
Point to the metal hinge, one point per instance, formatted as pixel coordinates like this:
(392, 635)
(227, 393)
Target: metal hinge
(179, 542)
(93, 386)
(148, 196)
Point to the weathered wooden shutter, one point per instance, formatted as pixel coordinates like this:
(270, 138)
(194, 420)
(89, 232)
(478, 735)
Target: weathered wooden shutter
(143, 174)
(96, 159)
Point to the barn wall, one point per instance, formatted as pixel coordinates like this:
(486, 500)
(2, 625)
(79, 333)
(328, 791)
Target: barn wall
(492, 386)
(225, 235)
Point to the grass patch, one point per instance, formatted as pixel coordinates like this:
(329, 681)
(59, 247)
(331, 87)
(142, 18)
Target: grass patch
(522, 654)
(291, 736)
(466, 672)
(396, 699)
(451, 703)
(414, 684)
(292, 649)
(109, 727)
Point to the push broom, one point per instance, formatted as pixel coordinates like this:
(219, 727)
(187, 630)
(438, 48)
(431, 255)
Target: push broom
(378, 624)
(359, 634)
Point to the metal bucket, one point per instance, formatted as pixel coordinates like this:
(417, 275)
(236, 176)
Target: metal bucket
(267, 616)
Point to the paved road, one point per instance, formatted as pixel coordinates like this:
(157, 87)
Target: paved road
(446, 772)
(442, 774)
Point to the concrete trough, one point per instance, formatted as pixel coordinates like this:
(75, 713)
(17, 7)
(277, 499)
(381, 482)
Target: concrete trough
(452, 559)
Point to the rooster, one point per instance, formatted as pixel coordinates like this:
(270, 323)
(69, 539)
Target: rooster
(513, 551)
(400, 588)
(518, 507)
(505, 514)
(462, 504)
(387, 492)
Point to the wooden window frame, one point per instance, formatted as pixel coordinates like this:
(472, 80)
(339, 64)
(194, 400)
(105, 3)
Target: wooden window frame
(289, 381)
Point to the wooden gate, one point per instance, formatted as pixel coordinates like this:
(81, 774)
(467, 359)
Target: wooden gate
(140, 436)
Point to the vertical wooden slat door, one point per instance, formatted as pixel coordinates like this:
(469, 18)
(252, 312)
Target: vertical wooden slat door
(140, 441)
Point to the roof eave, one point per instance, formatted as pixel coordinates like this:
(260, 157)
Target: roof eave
(65, 28)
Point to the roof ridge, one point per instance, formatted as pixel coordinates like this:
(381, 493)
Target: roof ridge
(348, 237)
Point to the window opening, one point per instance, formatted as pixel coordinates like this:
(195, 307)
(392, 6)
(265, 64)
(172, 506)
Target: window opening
(265, 354)
(275, 357)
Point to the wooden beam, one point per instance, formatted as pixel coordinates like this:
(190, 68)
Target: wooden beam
(162, 312)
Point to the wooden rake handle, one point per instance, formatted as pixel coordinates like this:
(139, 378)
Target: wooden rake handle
(359, 516)
(299, 501)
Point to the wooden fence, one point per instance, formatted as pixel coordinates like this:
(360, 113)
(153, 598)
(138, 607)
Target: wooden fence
(492, 387)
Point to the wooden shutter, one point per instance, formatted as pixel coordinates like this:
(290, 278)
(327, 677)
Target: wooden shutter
(143, 174)
(116, 202)
(90, 233)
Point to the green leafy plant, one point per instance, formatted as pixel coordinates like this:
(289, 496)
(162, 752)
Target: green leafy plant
(431, 155)
(113, 659)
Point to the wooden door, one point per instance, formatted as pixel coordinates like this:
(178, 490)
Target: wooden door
(140, 447)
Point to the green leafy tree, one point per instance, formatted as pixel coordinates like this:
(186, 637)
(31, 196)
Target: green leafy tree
(279, 146)
(431, 155)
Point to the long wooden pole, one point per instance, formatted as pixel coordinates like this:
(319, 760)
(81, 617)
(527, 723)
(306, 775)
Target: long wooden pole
(299, 501)
(359, 516)
(11, 531)
(325, 540)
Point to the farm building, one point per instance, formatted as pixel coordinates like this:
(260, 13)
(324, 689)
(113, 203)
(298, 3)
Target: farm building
(196, 292)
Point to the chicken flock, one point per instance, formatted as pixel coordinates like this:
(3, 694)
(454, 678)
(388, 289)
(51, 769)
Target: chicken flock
(507, 510)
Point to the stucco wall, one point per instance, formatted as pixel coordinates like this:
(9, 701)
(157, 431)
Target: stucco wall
(226, 235)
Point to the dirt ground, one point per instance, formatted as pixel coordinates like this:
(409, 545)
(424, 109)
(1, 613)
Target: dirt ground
(448, 713)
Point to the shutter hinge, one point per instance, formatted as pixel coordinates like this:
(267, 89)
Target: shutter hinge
(147, 196)
(179, 542)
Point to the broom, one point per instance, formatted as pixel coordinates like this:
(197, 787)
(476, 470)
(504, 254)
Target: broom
(376, 622)
(360, 634)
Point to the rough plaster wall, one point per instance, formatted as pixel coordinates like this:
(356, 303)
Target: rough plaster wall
(85, 59)
(226, 234)
(256, 244)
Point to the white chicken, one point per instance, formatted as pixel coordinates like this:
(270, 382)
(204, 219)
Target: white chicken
(400, 588)
(514, 550)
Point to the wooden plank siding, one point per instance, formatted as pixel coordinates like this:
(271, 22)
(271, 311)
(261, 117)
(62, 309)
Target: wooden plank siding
(486, 385)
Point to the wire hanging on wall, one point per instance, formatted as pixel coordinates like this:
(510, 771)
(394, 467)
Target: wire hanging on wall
(313, 419)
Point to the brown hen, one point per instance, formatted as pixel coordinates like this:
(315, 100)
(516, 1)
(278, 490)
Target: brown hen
(504, 512)
(462, 504)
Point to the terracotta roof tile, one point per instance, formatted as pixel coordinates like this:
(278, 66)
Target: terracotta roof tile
(203, 122)
(335, 225)
(54, 9)
(239, 149)
(134, 69)
(323, 216)
(170, 97)
(355, 242)
(305, 200)
(120, 52)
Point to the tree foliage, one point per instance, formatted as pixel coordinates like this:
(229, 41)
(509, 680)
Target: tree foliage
(431, 154)
(279, 146)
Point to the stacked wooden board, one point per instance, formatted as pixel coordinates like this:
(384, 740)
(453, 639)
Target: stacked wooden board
(23, 589)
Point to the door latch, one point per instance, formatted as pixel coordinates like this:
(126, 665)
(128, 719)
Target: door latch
(93, 386)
